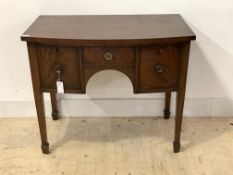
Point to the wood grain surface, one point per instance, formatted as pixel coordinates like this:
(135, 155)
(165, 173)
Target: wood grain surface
(130, 29)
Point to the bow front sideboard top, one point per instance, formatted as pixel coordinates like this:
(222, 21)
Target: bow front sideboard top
(151, 50)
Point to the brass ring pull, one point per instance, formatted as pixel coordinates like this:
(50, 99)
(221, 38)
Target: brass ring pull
(159, 68)
(108, 56)
(59, 70)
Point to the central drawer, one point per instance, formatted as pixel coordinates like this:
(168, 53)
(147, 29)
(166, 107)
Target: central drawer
(109, 55)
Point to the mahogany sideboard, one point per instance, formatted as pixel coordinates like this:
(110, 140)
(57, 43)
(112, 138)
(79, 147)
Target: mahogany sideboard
(152, 50)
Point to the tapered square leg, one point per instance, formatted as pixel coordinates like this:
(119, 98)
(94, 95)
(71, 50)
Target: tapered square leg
(167, 105)
(38, 96)
(45, 148)
(176, 147)
(42, 121)
(54, 105)
(178, 120)
(181, 95)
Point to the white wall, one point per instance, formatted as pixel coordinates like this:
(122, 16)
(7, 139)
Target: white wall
(209, 88)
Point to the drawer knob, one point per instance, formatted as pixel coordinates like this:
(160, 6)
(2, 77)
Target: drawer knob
(161, 50)
(108, 56)
(159, 68)
(56, 50)
(59, 70)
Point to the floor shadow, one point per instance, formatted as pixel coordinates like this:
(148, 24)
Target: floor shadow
(195, 131)
(107, 129)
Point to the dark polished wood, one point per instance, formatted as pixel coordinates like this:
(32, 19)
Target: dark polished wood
(151, 50)
(38, 97)
(184, 56)
(49, 57)
(53, 97)
(165, 75)
(167, 105)
(109, 30)
(94, 55)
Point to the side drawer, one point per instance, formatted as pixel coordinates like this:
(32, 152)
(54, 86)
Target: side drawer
(109, 55)
(67, 58)
(158, 67)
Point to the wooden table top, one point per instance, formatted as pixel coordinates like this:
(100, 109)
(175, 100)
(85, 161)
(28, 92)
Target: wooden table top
(132, 28)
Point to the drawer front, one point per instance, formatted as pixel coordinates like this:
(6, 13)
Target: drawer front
(65, 59)
(158, 67)
(109, 55)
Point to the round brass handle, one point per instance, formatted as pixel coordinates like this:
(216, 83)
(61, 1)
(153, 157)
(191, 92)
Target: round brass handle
(108, 56)
(159, 68)
(59, 70)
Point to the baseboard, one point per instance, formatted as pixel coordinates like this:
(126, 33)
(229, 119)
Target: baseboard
(120, 107)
